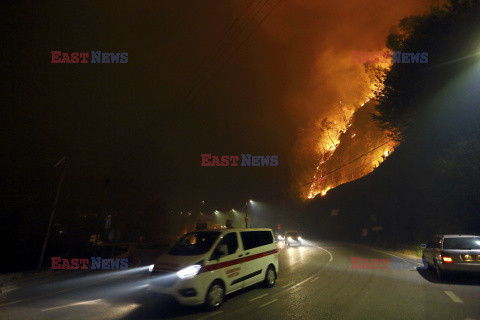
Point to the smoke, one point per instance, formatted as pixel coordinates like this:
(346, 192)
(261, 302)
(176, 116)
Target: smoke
(325, 88)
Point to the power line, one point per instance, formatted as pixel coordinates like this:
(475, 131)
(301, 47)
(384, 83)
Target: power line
(346, 164)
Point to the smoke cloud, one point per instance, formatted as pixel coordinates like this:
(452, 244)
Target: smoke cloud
(325, 88)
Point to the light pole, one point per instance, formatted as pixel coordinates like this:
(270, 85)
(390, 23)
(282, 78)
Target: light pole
(246, 213)
(63, 160)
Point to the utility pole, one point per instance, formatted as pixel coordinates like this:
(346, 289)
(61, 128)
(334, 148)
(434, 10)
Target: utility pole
(246, 215)
(63, 160)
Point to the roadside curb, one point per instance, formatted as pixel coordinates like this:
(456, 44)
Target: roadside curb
(389, 251)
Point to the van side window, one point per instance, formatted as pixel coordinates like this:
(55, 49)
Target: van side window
(253, 239)
(231, 241)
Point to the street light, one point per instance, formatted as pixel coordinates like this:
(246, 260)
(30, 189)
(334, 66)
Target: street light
(246, 212)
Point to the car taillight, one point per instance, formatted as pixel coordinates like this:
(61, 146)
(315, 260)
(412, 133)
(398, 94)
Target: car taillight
(446, 259)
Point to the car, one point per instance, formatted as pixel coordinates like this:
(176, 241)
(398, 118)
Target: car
(452, 252)
(206, 265)
(292, 237)
(279, 236)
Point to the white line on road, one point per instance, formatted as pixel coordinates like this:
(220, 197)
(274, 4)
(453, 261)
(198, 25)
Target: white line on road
(263, 295)
(386, 253)
(266, 304)
(295, 289)
(210, 315)
(52, 293)
(89, 302)
(310, 278)
(313, 280)
(331, 257)
(454, 297)
(287, 285)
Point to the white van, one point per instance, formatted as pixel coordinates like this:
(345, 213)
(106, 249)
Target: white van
(205, 265)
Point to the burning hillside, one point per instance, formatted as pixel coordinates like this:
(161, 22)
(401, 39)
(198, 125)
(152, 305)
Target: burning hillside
(323, 89)
(359, 150)
(353, 146)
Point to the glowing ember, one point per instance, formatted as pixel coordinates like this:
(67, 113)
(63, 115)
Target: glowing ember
(324, 192)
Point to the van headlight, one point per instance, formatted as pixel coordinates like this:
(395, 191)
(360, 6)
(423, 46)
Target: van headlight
(150, 267)
(189, 272)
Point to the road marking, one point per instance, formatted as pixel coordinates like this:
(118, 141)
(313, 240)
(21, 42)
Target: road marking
(295, 289)
(287, 285)
(52, 293)
(454, 297)
(386, 253)
(210, 315)
(310, 278)
(266, 304)
(313, 280)
(331, 257)
(263, 295)
(97, 301)
(14, 285)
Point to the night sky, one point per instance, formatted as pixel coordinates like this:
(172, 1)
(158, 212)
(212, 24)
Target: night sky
(202, 77)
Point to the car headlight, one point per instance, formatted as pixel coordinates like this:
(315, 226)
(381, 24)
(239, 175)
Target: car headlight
(150, 267)
(300, 238)
(189, 272)
(289, 238)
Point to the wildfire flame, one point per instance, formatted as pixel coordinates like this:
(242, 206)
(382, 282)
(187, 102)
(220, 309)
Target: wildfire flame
(330, 140)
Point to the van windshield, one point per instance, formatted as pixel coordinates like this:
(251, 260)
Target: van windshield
(194, 243)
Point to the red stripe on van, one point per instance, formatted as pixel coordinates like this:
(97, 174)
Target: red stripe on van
(237, 261)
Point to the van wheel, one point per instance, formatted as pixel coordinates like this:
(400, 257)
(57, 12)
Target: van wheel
(270, 277)
(215, 296)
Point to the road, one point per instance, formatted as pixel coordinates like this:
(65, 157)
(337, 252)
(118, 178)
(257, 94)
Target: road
(316, 281)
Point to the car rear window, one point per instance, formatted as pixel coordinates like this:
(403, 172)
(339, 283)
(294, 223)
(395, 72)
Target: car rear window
(253, 239)
(466, 243)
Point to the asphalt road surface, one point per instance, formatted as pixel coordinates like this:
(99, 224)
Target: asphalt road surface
(316, 281)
